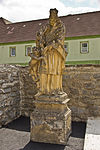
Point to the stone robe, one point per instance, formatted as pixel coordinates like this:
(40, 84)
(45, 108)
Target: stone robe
(54, 58)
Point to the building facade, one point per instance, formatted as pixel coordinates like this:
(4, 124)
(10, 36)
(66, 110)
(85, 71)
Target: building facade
(82, 40)
(84, 50)
(15, 53)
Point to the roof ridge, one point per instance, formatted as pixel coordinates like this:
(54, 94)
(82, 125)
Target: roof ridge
(83, 25)
(5, 21)
(30, 21)
(59, 16)
(80, 13)
(2, 21)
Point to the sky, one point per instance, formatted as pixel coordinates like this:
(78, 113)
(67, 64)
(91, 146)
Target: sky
(25, 10)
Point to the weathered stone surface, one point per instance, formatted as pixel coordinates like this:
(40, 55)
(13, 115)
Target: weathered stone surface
(83, 76)
(82, 91)
(50, 121)
(90, 86)
(86, 98)
(9, 98)
(1, 91)
(1, 112)
(74, 91)
(51, 118)
(96, 76)
(8, 90)
(27, 91)
(84, 79)
(96, 93)
(96, 102)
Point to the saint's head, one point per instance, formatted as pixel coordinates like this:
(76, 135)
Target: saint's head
(53, 16)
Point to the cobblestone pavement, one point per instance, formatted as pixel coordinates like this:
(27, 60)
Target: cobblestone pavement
(16, 136)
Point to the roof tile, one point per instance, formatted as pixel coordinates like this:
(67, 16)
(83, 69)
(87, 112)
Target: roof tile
(76, 25)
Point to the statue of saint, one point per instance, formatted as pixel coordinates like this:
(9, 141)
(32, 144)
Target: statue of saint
(48, 57)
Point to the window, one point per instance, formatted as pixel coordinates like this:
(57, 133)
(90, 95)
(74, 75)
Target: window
(84, 47)
(28, 49)
(12, 51)
(66, 46)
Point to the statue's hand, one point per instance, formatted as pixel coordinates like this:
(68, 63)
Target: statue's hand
(40, 58)
(47, 48)
(54, 45)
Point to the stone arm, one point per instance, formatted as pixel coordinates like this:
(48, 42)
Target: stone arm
(36, 58)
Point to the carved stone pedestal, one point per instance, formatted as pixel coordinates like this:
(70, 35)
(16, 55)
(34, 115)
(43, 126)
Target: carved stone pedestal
(51, 119)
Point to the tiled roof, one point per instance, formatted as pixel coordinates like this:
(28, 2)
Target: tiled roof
(85, 24)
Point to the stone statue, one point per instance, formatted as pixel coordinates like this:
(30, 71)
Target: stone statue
(51, 117)
(48, 57)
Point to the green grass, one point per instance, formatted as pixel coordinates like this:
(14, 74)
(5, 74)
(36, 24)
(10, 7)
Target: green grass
(24, 64)
(96, 62)
(93, 62)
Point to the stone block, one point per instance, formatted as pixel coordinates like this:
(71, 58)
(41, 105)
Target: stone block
(1, 112)
(74, 91)
(2, 81)
(89, 85)
(50, 121)
(96, 93)
(96, 76)
(1, 91)
(83, 76)
(96, 102)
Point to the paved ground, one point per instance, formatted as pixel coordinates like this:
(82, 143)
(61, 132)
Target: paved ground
(92, 136)
(16, 136)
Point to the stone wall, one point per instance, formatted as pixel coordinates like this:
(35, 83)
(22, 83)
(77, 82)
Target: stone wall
(82, 84)
(17, 90)
(27, 91)
(9, 93)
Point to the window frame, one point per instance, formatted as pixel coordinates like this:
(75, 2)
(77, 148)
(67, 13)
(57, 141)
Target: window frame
(66, 43)
(26, 49)
(10, 51)
(87, 47)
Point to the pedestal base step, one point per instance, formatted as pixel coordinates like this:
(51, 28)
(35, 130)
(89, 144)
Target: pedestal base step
(50, 128)
(51, 119)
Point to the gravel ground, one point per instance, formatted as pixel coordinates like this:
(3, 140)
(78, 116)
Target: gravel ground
(16, 136)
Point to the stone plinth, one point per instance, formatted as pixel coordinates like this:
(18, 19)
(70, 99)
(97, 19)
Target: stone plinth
(51, 119)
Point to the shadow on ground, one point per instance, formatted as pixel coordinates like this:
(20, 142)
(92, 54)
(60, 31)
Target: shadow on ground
(76, 139)
(23, 124)
(78, 129)
(42, 146)
(20, 124)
